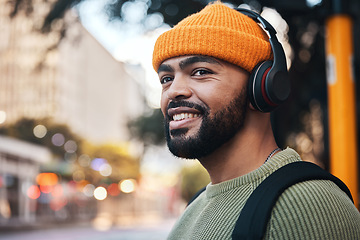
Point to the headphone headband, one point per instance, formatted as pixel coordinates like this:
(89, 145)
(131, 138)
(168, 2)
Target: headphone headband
(257, 18)
(278, 51)
(270, 85)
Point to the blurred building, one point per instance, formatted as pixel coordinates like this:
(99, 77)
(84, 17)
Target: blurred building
(76, 82)
(19, 165)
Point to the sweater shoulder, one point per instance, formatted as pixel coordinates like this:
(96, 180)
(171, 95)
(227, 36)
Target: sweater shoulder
(316, 209)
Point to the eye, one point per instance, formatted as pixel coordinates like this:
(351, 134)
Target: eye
(200, 72)
(165, 79)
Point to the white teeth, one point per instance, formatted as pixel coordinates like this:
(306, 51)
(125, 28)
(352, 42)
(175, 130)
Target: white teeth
(182, 116)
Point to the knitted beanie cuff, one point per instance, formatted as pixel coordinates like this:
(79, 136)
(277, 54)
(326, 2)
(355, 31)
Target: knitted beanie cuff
(217, 31)
(235, 47)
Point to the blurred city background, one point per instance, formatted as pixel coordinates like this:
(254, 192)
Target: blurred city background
(81, 135)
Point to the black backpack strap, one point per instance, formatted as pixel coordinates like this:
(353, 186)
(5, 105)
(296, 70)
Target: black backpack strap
(196, 195)
(256, 213)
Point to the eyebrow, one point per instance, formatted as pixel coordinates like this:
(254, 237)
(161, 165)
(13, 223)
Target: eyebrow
(165, 68)
(188, 61)
(196, 59)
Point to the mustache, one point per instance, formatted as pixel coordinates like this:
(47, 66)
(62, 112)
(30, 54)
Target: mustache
(182, 103)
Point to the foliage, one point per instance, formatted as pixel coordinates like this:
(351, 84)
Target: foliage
(171, 11)
(149, 128)
(194, 178)
(24, 129)
(123, 164)
(57, 10)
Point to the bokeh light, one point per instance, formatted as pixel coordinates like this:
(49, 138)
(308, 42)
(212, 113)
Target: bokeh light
(33, 192)
(58, 139)
(100, 193)
(40, 131)
(88, 190)
(2, 117)
(134, 11)
(46, 188)
(70, 146)
(84, 160)
(47, 179)
(127, 185)
(105, 170)
(58, 191)
(96, 163)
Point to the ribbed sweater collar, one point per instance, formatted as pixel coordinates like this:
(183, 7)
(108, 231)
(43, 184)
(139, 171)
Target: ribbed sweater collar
(278, 160)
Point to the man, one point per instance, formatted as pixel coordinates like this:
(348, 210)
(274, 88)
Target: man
(204, 65)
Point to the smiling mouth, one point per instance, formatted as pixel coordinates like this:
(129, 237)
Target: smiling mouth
(182, 116)
(183, 113)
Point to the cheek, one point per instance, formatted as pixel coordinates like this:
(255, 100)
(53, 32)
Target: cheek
(219, 97)
(163, 105)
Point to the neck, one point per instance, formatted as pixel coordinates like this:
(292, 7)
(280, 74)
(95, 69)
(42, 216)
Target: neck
(245, 152)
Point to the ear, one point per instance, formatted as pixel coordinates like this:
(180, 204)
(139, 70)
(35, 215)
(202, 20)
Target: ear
(251, 107)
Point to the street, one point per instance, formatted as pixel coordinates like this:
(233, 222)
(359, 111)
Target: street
(154, 232)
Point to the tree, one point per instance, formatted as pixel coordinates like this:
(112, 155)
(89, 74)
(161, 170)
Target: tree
(306, 36)
(122, 164)
(71, 149)
(149, 128)
(25, 128)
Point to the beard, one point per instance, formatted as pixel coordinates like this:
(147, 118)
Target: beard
(213, 132)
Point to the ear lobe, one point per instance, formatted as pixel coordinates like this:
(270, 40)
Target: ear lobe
(252, 107)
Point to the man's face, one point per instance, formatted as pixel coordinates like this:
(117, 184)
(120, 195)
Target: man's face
(204, 103)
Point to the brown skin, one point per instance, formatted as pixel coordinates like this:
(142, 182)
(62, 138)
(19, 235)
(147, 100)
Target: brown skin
(215, 83)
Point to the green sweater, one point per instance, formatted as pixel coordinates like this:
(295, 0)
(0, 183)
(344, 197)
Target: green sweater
(315, 209)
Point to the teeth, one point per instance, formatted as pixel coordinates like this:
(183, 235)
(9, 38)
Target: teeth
(182, 116)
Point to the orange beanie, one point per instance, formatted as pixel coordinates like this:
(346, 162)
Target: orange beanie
(216, 31)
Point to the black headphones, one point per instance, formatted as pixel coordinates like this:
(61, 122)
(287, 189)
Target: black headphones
(269, 84)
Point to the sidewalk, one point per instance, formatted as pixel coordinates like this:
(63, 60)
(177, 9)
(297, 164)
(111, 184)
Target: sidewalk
(156, 231)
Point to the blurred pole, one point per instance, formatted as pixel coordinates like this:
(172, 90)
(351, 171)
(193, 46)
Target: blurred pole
(341, 98)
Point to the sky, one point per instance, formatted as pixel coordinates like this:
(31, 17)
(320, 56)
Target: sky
(126, 42)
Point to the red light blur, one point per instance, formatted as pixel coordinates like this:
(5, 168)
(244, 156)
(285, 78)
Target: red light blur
(46, 188)
(33, 192)
(113, 189)
(57, 191)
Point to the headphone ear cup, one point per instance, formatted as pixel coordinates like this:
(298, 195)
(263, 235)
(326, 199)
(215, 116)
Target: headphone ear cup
(257, 87)
(269, 84)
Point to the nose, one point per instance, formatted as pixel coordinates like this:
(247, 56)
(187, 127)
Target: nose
(179, 89)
